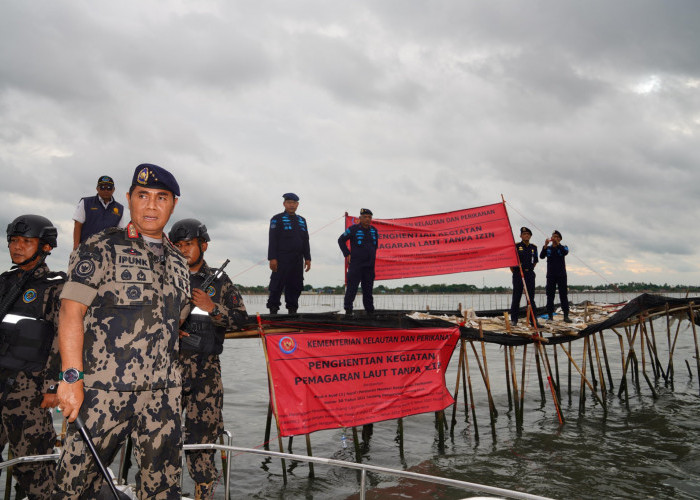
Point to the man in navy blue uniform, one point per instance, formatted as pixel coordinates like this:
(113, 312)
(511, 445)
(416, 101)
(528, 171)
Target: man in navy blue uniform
(364, 240)
(556, 273)
(527, 256)
(96, 213)
(289, 254)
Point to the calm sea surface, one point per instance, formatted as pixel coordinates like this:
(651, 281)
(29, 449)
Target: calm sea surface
(650, 449)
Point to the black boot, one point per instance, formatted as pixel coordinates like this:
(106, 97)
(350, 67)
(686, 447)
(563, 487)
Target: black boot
(348, 313)
(567, 319)
(274, 310)
(292, 310)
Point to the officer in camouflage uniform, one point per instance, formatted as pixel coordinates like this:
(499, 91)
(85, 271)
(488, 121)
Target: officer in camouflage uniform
(216, 310)
(29, 362)
(126, 295)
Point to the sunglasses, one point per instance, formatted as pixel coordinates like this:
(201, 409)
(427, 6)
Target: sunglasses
(105, 187)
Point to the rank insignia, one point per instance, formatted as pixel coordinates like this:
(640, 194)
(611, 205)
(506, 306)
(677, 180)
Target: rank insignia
(141, 276)
(126, 275)
(133, 292)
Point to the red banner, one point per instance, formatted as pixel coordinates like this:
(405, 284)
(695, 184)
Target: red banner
(326, 380)
(465, 240)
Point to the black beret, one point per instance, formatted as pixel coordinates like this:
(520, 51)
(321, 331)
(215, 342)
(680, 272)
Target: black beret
(290, 196)
(557, 233)
(364, 211)
(525, 230)
(153, 176)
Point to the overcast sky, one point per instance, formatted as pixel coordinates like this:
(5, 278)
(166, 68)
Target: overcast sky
(585, 116)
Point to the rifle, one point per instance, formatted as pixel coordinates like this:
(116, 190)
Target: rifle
(192, 341)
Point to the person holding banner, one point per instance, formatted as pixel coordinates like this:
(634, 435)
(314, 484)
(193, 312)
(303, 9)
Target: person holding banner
(364, 241)
(527, 256)
(217, 309)
(556, 274)
(289, 255)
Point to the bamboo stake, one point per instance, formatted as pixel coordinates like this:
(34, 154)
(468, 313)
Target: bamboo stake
(623, 381)
(511, 351)
(308, 452)
(569, 378)
(463, 349)
(583, 376)
(522, 385)
(695, 338)
(272, 398)
(471, 393)
(539, 376)
(507, 366)
(400, 437)
(356, 442)
(556, 370)
(600, 367)
(607, 364)
(590, 361)
(485, 373)
(582, 390)
(456, 393)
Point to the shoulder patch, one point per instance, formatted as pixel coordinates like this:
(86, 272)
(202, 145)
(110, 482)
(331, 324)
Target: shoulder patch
(84, 269)
(29, 296)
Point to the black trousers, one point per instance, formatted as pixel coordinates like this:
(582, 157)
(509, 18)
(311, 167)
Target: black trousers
(552, 284)
(289, 278)
(363, 276)
(518, 292)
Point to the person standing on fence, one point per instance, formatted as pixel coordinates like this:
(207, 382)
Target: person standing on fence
(527, 256)
(556, 274)
(216, 310)
(361, 257)
(289, 254)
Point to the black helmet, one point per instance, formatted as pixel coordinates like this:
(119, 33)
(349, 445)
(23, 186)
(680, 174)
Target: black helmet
(188, 229)
(33, 226)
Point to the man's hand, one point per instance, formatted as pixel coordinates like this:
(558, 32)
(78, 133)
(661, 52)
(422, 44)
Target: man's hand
(307, 265)
(70, 398)
(546, 242)
(49, 401)
(347, 259)
(202, 300)
(273, 265)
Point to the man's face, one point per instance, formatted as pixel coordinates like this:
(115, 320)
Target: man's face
(150, 209)
(22, 248)
(105, 191)
(190, 249)
(365, 220)
(556, 239)
(290, 206)
(525, 236)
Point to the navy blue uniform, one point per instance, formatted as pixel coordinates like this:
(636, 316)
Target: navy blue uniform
(527, 254)
(556, 276)
(289, 245)
(363, 252)
(98, 217)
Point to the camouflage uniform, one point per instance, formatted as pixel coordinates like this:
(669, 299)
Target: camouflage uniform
(202, 389)
(135, 302)
(27, 426)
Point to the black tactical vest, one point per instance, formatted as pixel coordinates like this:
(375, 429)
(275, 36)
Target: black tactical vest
(25, 337)
(205, 337)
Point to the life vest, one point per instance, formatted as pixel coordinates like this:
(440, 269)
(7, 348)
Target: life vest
(205, 337)
(25, 337)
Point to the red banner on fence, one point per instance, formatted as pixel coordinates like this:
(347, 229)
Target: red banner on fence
(473, 239)
(326, 380)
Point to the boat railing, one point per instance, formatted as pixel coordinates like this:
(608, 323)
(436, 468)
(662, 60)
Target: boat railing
(363, 468)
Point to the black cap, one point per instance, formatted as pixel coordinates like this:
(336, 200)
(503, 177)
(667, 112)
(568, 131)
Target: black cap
(556, 232)
(153, 176)
(105, 179)
(188, 229)
(525, 230)
(290, 196)
(33, 226)
(366, 211)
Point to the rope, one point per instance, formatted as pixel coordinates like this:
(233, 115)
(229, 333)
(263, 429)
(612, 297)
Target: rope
(532, 223)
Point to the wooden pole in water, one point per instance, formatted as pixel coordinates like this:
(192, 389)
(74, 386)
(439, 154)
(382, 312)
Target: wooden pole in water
(512, 373)
(399, 431)
(600, 367)
(463, 351)
(471, 393)
(623, 380)
(568, 377)
(556, 370)
(356, 442)
(590, 361)
(605, 358)
(507, 366)
(485, 373)
(582, 390)
(456, 393)
(539, 376)
(308, 452)
(584, 380)
(522, 385)
(261, 331)
(695, 337)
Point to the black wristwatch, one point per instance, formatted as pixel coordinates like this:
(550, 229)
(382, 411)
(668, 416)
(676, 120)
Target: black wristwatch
(71, 376)
(215, 311)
